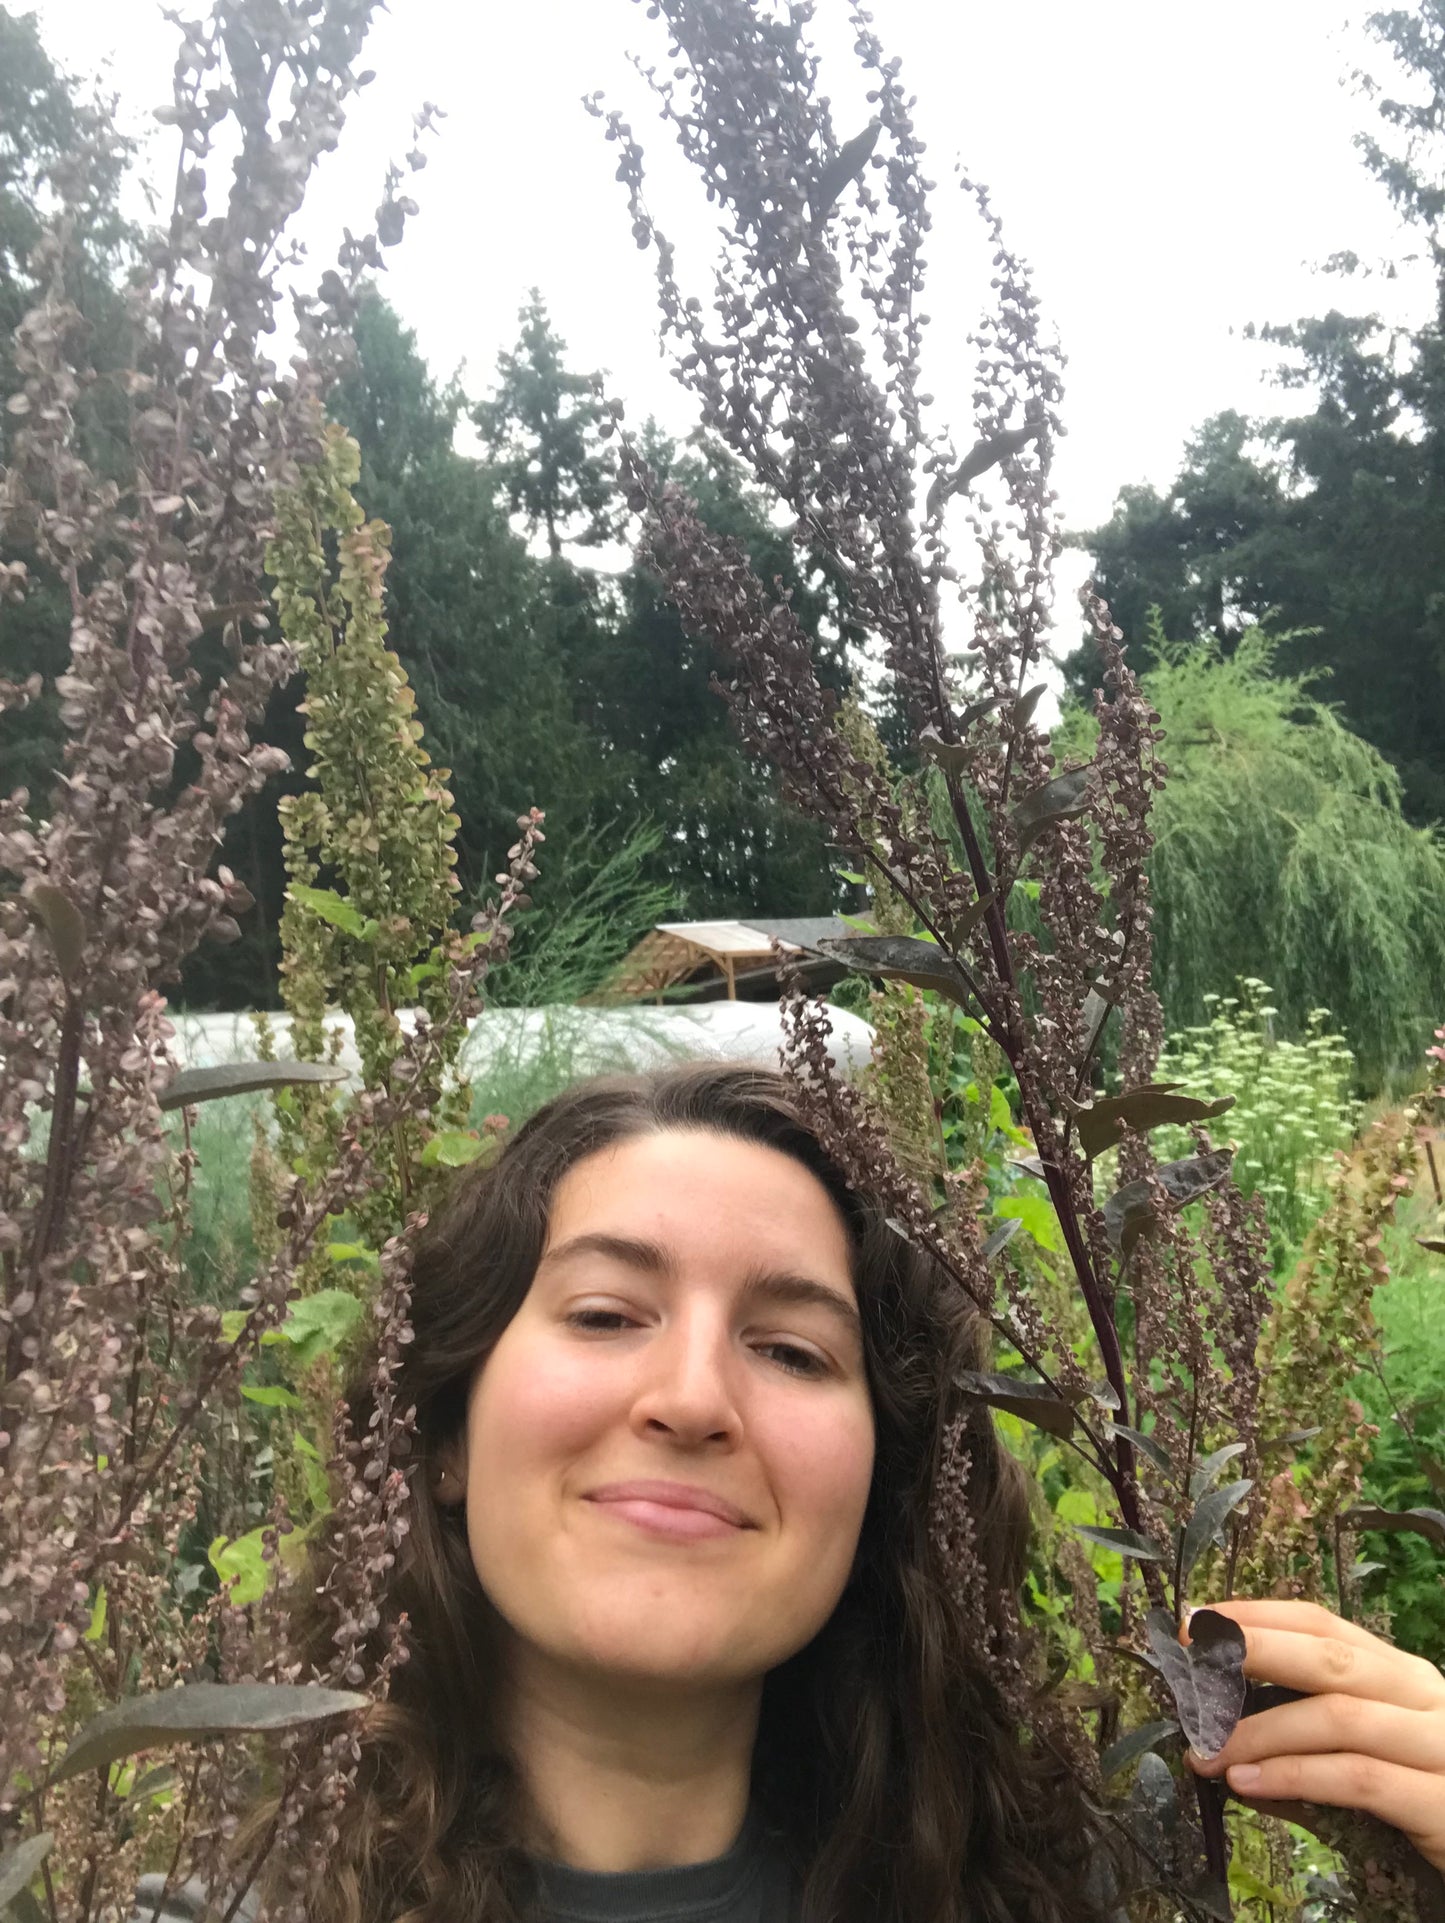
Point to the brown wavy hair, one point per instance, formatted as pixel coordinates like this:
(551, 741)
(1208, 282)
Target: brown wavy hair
(886, 1760)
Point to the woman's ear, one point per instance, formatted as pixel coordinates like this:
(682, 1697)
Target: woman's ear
(449, 1474)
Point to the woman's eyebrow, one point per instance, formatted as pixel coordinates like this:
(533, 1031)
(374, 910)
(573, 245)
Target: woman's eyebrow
(788, 1291)
(649, 1257)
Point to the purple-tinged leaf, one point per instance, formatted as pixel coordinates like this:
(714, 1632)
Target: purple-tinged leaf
(1211, 1513)
(1206, 1679)
(18, 1866)
(1000, 1237)
(1063, 799)
(1023, 708)
(1155, 1794)
(1103, 1123)
(1124, 1542)
(194, 1085)
(196, 1712)
(1429, 1523)
(1036, 1402)
(1434, 1243)
(900, 958)
(1134, 1743)
(1291, 1439)
(1130, 1210)
(1207, 1469)
(1146, 1445)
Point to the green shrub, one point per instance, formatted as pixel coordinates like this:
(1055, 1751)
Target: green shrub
(1294, 1109)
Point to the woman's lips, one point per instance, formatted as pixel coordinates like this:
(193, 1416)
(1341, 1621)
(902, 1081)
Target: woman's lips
(671, 1509)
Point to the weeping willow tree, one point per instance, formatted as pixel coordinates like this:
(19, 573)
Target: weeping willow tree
(1282, 853)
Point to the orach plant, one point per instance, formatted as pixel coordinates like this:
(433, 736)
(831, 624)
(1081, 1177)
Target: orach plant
(808, 363)
(114, 1384)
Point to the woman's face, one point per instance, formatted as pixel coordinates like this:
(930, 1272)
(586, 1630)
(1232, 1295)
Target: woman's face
(668, 1452)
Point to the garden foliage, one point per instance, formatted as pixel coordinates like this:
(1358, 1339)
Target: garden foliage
(158, 1449)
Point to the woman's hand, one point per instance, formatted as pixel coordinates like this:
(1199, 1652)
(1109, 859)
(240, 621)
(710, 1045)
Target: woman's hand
(1370, 1734)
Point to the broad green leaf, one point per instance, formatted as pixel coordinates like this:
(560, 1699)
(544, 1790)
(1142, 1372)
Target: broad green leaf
(1036, 1214)
(1206, 1679)
(194, 1085)
(318, 1324)
(1103, 1123)
(330, 907)
(1244, 1883)
(271, 1395)
(353, 1252)
(232, 1323)
(196, 1712)
(241, 1564)
(99, 1610)
(18, 1867)
(1000, 1115)
(455, 1148)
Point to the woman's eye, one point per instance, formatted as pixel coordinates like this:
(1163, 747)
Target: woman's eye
(599, 1321)
(795, 1360)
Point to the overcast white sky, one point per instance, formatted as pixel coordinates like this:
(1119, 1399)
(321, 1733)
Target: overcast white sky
(1172, 170)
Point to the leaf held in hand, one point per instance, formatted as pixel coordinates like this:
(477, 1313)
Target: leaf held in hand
(1206, 1679)
(1062, 799)
(1130, 1210)
(196, 1712)
(194, 1085)
(1154, 1105)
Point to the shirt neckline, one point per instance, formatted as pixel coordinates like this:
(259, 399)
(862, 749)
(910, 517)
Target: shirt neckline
(686, 1892)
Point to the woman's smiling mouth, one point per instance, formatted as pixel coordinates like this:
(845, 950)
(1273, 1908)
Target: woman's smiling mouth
(671, 1509)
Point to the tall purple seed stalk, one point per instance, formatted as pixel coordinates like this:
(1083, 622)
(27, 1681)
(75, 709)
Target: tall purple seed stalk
(807, 361)
(144, 492)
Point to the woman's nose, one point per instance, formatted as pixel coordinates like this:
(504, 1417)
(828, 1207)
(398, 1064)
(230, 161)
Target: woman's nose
(687, 1390)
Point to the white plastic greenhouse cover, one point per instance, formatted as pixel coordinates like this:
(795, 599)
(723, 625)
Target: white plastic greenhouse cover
(593, 1040)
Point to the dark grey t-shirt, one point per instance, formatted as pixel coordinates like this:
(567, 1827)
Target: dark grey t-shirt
(750, 1884)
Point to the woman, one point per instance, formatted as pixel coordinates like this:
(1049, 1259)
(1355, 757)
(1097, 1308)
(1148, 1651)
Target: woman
(682, 1644)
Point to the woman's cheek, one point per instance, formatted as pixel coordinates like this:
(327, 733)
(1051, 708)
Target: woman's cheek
(541, 1398)
(823, 1450)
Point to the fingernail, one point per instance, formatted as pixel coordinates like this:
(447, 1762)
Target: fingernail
(1244, 1775)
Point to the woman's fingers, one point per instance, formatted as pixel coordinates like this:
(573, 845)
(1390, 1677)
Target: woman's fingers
(1409, 1799)
(1335, 1723)
(1305, 1618)
(1339, 1659)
